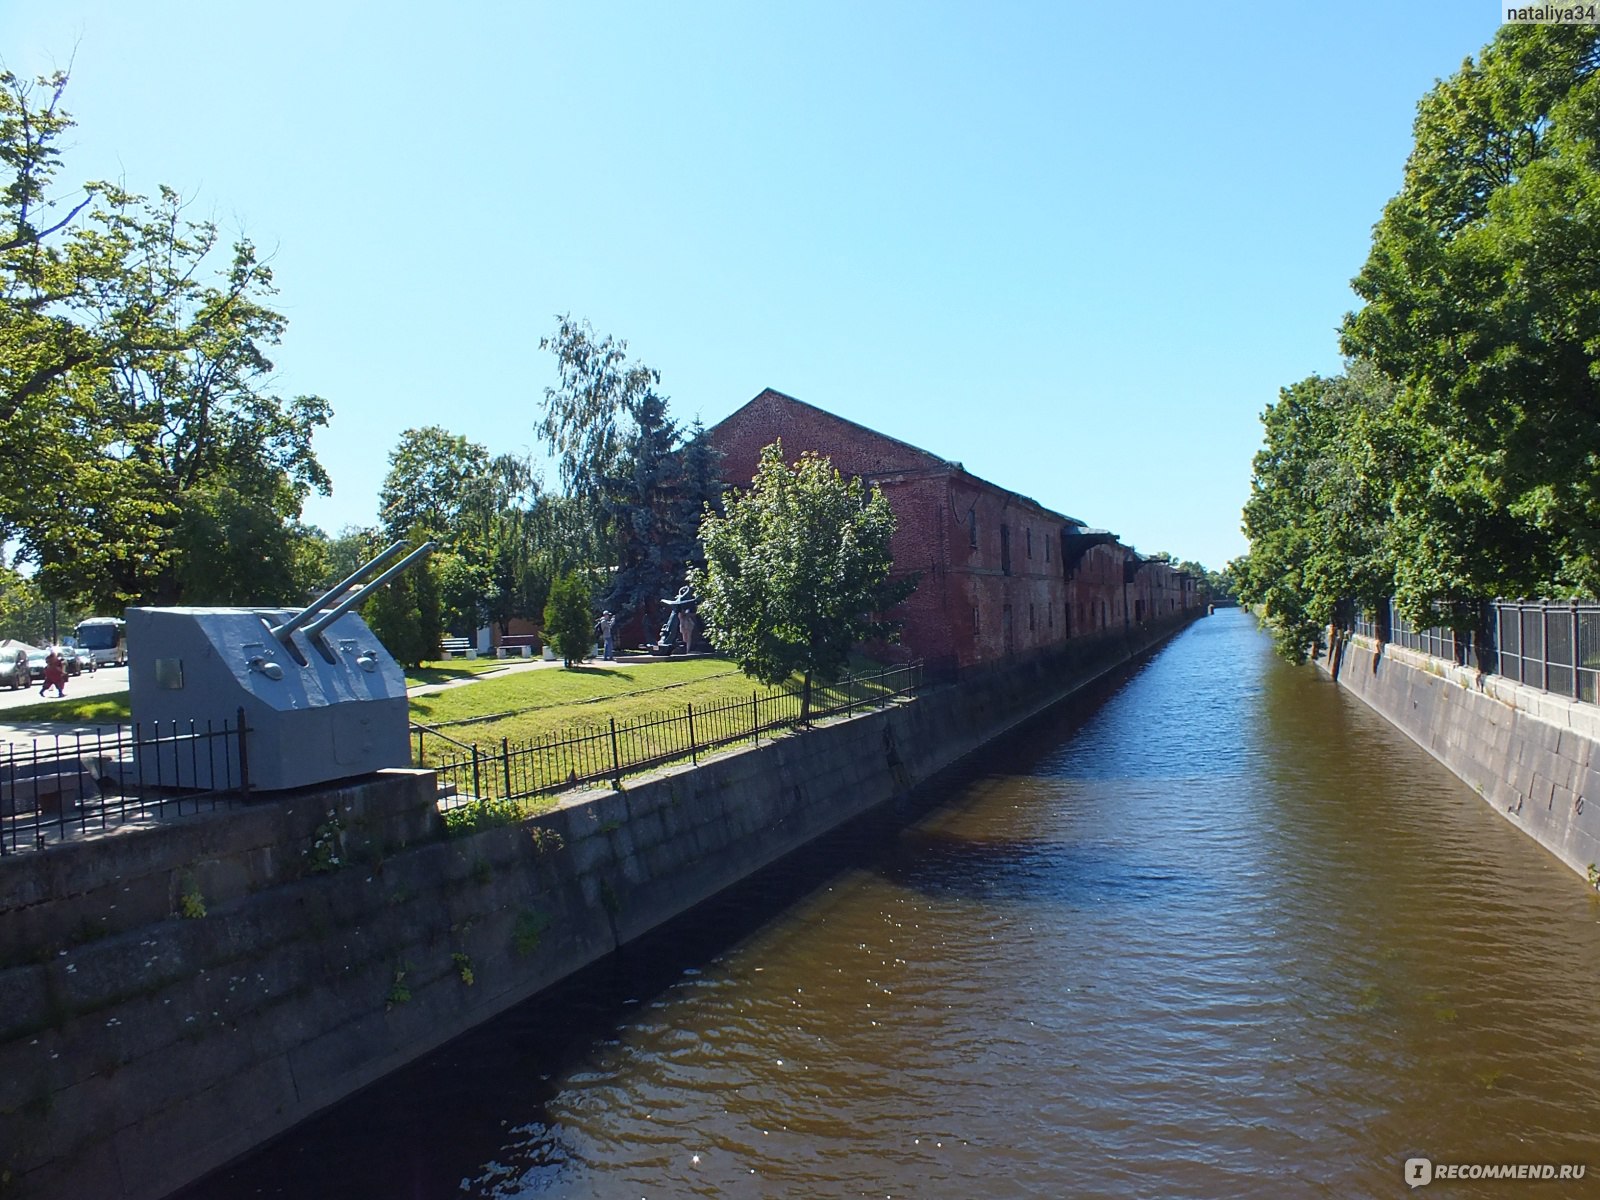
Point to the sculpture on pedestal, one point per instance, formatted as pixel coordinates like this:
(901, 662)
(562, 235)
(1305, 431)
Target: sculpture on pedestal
(678, 632)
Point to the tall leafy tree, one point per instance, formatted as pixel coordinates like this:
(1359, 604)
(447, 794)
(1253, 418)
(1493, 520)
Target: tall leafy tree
(27, 614)
(135, 384)
(621, 453)
(1319, 513)
(435, 479)
(439, 487)
(797, 571)
(1482, 295)
(345, 551)
(404, 614)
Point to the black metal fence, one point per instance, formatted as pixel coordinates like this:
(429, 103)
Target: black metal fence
(70, 785)
(1553, 645)
(606, 753)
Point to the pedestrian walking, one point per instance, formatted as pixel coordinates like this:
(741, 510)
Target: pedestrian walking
(608, 631)
(55, 674)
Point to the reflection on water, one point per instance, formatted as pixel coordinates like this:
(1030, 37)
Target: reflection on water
(1223, 933)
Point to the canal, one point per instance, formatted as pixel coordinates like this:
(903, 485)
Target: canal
(1217, 931)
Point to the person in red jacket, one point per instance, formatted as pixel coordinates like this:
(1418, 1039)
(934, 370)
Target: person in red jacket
(55, 674)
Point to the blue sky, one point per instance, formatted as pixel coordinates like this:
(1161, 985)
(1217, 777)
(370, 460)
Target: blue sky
(1076, 247)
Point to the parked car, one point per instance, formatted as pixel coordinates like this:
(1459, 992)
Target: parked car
(36, 656)
(16, 663)
(71, 661)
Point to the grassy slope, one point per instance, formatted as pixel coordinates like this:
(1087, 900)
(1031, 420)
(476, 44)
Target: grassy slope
(522, 705)
(109, 709)
(536, 703)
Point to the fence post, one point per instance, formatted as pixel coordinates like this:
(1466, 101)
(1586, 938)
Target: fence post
(505, 759)
(616, 759)
(755, 721)
(244, 757)
(1499, 664)
(1544, 647)
(1576, 690)
(422, 759)
(693, 758)
(477, 789)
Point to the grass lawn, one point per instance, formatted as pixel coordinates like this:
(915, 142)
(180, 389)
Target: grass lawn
(521, 706)
(109, 709)
(537, 704)
(532, 704)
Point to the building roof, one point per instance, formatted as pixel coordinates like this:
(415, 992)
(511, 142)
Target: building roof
(896, 456)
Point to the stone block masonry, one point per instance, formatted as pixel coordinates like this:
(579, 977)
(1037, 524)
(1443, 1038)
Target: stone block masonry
(173, 996)
(1531, 755)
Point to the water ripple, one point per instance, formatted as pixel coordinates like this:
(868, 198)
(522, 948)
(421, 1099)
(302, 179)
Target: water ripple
(1225, 934)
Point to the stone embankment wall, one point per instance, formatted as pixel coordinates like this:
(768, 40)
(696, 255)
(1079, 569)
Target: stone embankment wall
(172, 996)
(1535, 757)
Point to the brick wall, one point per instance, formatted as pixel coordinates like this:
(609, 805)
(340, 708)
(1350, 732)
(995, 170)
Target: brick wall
(992, 583)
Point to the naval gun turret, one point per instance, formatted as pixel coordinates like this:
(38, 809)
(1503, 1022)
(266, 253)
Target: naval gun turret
(322, 699)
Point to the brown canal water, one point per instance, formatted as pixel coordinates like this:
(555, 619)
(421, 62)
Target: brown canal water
(1216, 931)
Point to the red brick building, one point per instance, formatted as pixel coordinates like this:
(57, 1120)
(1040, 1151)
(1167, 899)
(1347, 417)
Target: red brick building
(1001, 576)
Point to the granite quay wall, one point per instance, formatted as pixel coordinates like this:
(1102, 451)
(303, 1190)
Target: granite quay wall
(1531, 754)
(172, 996)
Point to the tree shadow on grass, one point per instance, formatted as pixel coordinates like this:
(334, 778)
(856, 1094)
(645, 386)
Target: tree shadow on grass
(421, 675)
(580, 669)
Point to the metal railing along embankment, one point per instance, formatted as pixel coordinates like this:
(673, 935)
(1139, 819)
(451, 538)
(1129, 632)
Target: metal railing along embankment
(604, 754)
(62, 786)
(1552, 645)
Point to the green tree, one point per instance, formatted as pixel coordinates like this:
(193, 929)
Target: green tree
(797, 571)
(1222, 587)
(568, 621)
(28, 615)
(1482, 294)
(404, 614)
(1318, 517)
(624, 457)
(434, 477)
(347, 550)
(134, 385)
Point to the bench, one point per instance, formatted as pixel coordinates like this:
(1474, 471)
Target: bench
(451, 647)
(518, 645)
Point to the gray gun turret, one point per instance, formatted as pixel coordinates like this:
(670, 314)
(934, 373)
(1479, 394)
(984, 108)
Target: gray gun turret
(322, 698)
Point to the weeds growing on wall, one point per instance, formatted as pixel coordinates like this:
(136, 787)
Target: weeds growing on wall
(481, 814)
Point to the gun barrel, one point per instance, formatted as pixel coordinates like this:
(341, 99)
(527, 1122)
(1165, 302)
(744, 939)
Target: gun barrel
(333, 614)
(282, 632)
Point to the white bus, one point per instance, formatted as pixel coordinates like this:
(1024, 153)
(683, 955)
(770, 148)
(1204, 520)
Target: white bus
(105, 640)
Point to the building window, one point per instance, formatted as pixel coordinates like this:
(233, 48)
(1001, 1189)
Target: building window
(1031, 625)
(1030, 541)
(974, 619)
(1005, 549)
(972, 527)
(1047, 549)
